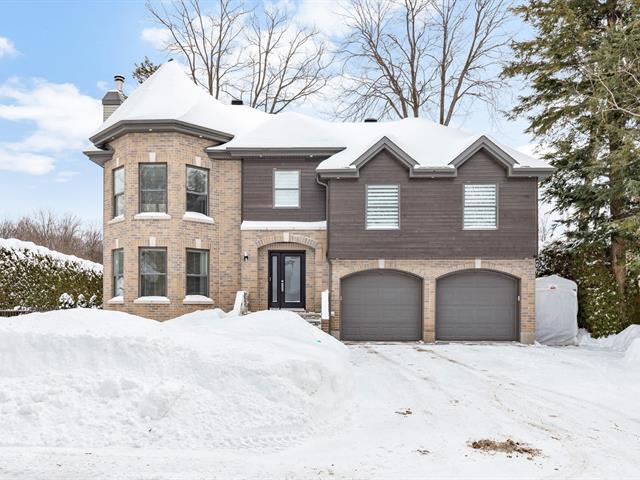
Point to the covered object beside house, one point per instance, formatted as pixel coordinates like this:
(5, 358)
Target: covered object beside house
(556, 311)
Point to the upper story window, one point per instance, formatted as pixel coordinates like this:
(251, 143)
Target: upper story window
(118, 273)
(153, 272)
(198, 272)
(118, 192)
(286, 188)
(383, 207)
(153, 187)
(480, 207)
(197, 190)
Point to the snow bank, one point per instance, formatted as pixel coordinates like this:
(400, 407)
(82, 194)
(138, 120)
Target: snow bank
(97, 378)
(627, 342)
(24, 250)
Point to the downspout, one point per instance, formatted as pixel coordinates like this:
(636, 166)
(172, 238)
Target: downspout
(326, 215)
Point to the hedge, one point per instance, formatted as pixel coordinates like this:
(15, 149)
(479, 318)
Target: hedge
(35, 277)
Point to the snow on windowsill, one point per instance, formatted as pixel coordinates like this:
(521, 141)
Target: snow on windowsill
(152, 216)
(118, 219)
(282, 225)
(197, 300)
(116, 300)
(197, 217)
(152, 300)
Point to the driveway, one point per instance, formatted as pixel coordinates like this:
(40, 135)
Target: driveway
(414, 411)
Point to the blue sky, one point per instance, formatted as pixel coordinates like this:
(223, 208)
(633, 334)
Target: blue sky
(54, 69)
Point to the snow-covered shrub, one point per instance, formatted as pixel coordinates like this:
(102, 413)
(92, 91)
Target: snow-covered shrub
(66, 301)
(36, 277)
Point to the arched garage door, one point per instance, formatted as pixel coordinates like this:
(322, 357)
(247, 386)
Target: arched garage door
(477, 305)
(381, 305)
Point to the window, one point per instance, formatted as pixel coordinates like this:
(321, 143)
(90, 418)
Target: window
(118, 192)
(198, 272)
(286, 188)
(118, 273)
(480, 207)
(153, 187)
(153, 272)
(383, 207)
(197, 190)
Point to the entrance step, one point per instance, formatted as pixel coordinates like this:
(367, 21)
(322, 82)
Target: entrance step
(312, 317)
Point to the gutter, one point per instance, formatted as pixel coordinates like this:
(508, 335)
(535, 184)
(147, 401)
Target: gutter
(326, 214)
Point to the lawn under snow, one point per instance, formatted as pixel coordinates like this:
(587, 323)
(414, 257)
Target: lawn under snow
(90, 394)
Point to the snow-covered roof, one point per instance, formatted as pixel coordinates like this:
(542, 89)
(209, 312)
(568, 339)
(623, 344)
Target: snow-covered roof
(169, 95)
(425, 143)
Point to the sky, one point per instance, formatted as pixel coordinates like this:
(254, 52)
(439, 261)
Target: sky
(55, 68)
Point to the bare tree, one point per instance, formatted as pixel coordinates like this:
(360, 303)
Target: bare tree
(62, 233)
(405, 58)
(286, 63)
(270, 59)
(206, 40)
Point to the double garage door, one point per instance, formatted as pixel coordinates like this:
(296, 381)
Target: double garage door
(386, 305)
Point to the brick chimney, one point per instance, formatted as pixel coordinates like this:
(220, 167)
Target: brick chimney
(113, 98)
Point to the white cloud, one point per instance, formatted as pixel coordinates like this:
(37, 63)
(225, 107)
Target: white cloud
(324, 15)
(156, 36)
(7, 49)
(64, 177)
(61, 118)
(17, 161)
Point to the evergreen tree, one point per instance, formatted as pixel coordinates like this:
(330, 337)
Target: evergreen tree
(573, 67)
(144, 69)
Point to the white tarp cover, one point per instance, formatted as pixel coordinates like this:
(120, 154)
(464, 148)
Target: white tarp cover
(556, 311)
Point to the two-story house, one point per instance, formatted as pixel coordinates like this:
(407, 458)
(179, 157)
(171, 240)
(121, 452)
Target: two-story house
(418, 231)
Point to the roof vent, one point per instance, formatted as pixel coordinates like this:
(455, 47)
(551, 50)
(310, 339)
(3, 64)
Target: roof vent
(237, 102)
(370, 120)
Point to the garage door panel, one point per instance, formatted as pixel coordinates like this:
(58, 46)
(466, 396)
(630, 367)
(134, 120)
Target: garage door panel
(381, 306)
(476, 305)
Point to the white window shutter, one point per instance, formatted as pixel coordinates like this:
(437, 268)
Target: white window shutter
(480, 207)
(383, 206)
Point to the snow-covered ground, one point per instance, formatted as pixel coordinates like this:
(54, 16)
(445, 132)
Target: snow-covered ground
(267, 396)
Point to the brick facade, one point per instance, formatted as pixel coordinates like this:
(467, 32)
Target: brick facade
(430, 270)
(222, 238)
(258, 243)
(228, 244)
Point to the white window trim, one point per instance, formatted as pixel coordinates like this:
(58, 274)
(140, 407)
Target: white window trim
(480, 228)
(152, 300)
(297, 170)
(366, 207)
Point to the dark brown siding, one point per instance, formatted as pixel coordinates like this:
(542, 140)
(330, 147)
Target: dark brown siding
(257, 190)
(431, 214)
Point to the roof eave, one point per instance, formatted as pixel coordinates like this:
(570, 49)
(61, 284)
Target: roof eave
(99, 157)
(243, 152)
(122, 127)
(514, 168)
(528, 172)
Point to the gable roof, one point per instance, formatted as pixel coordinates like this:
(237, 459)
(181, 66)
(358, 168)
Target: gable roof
(170, 101)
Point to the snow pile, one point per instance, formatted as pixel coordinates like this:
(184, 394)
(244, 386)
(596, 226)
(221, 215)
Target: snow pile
(29, 250)
(207, 379)
(627, 342)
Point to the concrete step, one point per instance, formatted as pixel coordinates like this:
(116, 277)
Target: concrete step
(311, 317)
